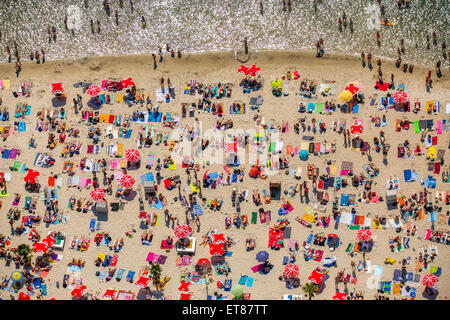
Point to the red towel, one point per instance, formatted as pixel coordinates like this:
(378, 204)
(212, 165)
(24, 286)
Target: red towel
(434, 140)
(51, 181)
(320, 186)
(111, 118)
(437, 167)
(382, 87)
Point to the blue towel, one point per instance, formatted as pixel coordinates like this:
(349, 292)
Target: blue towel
(130, 275)
(6, 153)
(355, 108)
(250, 282)
(242, 280)
(102, 275)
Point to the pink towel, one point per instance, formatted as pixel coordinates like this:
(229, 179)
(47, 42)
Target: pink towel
(257, 267)
(439, 127)
(427, 234)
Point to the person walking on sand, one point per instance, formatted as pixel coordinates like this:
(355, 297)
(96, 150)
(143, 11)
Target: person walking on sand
(363, 59)
(18, 67)
(438, 69)
(43, 56)
(160, 54)
(154, 61)
(9, 53)
(245, 46)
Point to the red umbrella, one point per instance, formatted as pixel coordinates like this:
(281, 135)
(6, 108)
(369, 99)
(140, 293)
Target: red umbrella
(429, 280)
(218, 238)
(203, 261)
(127, 181)
(291, 271)
(142, 282)
(184, 286)
(182, 231)
(110, 293)
(400, 97)
(359, 129)
(364, 234)
(78, 291)
(185, 296)
(57, 87)
(97, 194)
(217, 249)
(93, 90)
(243, 69)
(49, 241)
(339, 296)
(351, 87)
(317, 277)
(31, 176)
(143, 215)
(127, 82)
(39, 246)
(23, 296)
(254, 70)
(132, 155)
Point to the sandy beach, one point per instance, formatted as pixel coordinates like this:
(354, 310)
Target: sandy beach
(212, 68)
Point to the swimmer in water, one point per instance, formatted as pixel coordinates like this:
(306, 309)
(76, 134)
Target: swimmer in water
(350, 24)
(131, 5)
(340, 24)
(434, 38)
(9, 54)
(402, 45)
(54, 33)
(43, 56)
(121, 4)
(37, 56)
(116, 13)
(144, 23)
(98, 26)
(284, 5)
(32, 56)
(428, 42)
(92, 27)
(168, 47)
(261, 8)
(86, 4)
(65, 22)
(106, 7)
(289, 6)
(179, 54)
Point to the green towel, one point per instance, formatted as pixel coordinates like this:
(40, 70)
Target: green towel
(272, 146)
(433, 269)
(416, 126)
(254, 217)
(319, 107)
(354, 227)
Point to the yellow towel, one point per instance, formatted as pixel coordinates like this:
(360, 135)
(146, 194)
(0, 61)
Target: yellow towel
(101, 256)
(396, 288)
(308, 218)
(123, 163)
(333, 170)
(304, 146)
(119, 98)
(432, 152)
(173, 166)
(429, 105)
(194, 188)
(104, 118)
(6, 84)
(120, 150)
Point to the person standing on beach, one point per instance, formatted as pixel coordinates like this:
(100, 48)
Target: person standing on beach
(245, 46)
(37, 56)
(179, 53)
(392, 86)
(9, 54)
(363, 59)
(43, 56)
(378, 39)
(18, 67)
(438, 69)
(402, 45)
(160, 54)
(154, 61)
(369, 61)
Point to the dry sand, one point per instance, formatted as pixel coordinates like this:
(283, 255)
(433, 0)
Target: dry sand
(213, 68)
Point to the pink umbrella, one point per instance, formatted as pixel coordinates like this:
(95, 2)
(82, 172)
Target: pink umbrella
(254, 70)
(127, 181)
(110, 293)
(132, 155)
(429, 280)
(93, 90)
(49, 241)
(182, 231)
(142, 282)
(291, 271)
(364, 234)
(57, 87)
(97, 194)
(400, 97)
(40, 247)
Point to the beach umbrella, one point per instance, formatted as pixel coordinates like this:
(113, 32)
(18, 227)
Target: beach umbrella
(78, 291)
(142, 282)
(185, 296)
(182, 231)
(291, 271)
(132, 155)
(205, 174)
(358, 129)
(352, 88)
(110, 293)
(364, 234)
(218, 238)
(254, 70)
(39, 246)
(400, 97)
(429, 280)
(276, 83)
(217, 249)
(316, 277)
(243, 69)
(262, 256)
(203, 261)
(97, 194)
(237, 290)
(127, 181)
(127, 82)
(346, 95)
(16, 276)
(143, 215)
(31, 176)
(339, 296)
(185, 286)
(57, 87)
(93, 90)
(49, 241)
(23, 296)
